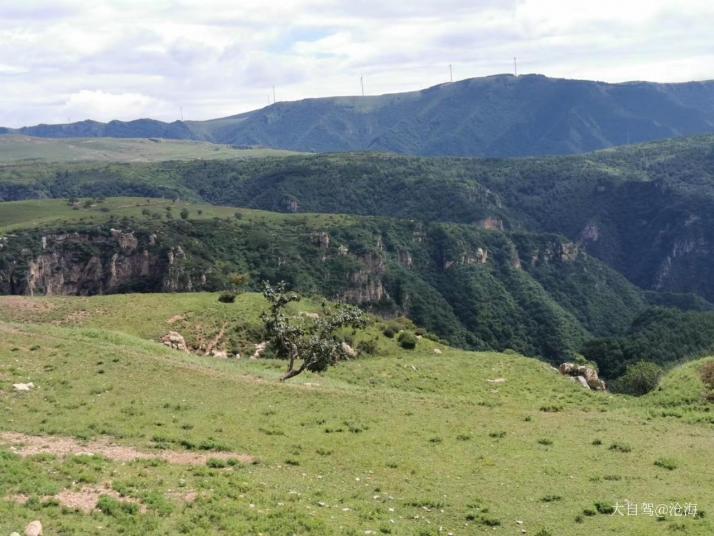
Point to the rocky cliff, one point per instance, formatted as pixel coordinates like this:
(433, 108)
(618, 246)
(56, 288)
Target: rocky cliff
(94, 262)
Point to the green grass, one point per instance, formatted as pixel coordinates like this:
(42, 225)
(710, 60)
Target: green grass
(30, 214)
(14, 149)
(404, 442)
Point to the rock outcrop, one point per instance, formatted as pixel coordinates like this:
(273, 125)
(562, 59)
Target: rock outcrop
(587, 376)
(97, 262)
(175, 340)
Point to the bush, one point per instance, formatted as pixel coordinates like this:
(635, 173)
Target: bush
(639, 379)
(407, 340)
(227, 297)
(666, 463)
(369, 347)
(389, 332)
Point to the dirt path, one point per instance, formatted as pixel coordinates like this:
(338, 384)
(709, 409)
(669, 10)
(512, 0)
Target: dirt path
(28, 445)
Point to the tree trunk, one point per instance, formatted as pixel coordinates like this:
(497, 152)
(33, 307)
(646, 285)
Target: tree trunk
(292, 373)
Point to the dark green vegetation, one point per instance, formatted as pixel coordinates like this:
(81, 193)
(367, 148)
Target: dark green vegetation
(493, 116)
(662, 336)
(401, 442)
(476, 288)
(647, 211)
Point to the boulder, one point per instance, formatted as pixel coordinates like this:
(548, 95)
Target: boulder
(566, 368)
(220, 354)
(497, 381)
(437, 351)
(582, 381)
(33, 529)
(259, 349)
(23, 386)
(587, 376)
(175, 341)
(348, 350)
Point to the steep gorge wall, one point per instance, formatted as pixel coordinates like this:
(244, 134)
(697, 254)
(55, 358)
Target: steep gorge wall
(88, 263)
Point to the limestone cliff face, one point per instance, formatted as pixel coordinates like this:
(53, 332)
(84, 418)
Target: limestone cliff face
(97, 263)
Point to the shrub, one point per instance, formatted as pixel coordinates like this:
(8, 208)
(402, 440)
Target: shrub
(407, 340)
(604, 508)
(666, 463)
(389, 332)
(621, 447)
(184, 213)
(368, 347)
(639, 379)
(227, 297)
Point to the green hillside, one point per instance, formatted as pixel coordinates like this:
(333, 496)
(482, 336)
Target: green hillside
(646, 210)
(480, 289)
(494, 116)
(402, 442)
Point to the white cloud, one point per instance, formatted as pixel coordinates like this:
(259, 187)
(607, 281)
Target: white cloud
(130, 58)
(103, 106)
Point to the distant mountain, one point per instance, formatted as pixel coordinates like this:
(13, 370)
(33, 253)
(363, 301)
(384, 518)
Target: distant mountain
(495, 116)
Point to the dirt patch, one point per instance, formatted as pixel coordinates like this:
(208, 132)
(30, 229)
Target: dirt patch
(175, 318)
(84, 499)
(27, 445)
(76, 317)
(20, 498)
(21, 303)
(184, 496)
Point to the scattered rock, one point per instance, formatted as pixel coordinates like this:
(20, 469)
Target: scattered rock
(497, 381)
(175, 341)
(259, 349)
(348, 350)
(437, 351)
(589, 376)
(220, 353)
(311, 316)
(33, 529)
(23, 386)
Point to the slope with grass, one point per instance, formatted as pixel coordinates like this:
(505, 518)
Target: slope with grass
(402, 442)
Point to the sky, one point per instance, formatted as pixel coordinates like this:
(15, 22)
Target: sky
(69, 60)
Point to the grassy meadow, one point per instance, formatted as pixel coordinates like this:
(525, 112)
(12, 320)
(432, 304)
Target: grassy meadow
(17, 149)
(396, 442)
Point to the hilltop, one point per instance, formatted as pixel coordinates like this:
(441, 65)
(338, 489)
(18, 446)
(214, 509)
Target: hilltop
(397, 442)
(493, 116)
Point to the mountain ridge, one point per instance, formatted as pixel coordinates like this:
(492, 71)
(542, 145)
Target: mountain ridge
(493, 116)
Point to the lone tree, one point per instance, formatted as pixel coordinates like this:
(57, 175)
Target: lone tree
(311, 341)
